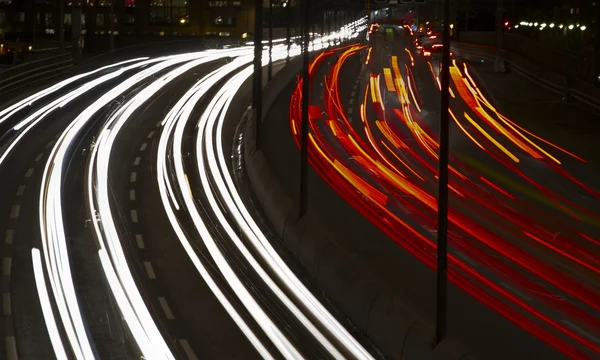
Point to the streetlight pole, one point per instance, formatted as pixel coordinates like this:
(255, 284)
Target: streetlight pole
(305, 103)
(270, 67)
(288, 15)
(257, 79)
(442, 228)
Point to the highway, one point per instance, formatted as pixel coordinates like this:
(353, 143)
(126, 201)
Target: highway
(125, 236)
(523, 211)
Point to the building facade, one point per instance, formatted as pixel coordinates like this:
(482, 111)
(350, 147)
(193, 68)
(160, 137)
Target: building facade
(31, 19)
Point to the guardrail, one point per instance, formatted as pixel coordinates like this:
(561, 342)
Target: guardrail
(562, 88)
(14, 78)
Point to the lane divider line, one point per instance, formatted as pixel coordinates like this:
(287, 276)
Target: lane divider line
(8, 238)
(20, 190)
(140, 241)
(15, 211)
(149, 270)
(165, 306)
(187, 349)
(134, 216)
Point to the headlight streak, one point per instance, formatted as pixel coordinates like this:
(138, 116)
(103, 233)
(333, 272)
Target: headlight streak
(268, 326)
(51, 221)
(162, 177)
(218, 106)
(32, 120)
(40, 282)
(149, 339)
(264, 247)
(216, 111)
(28, 101)
(54, 247)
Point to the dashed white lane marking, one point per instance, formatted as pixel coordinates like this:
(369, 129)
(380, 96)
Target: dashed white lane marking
(581, 331)
(11, 348)
(467, 259)
(159, 123)
(352, 94)
(131, 194)
(39, 157)
(187, 349)
(140, 241)
(15, 210)
(8, 238)
(150, 135)
(48, 145)
(143, 147)
(149, 270)
(163, 304)
(134, 216)
(351, 101)
(349, 110)
(515, 291)
(29, 172)
(20, 190)
(6, 304)
(6, 266)
(137, 160)
(133, 177)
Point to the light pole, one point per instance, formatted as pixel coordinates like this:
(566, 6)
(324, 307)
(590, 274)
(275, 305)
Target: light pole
(305, 103)
(442, 226)
(270, 67)
(257, 79)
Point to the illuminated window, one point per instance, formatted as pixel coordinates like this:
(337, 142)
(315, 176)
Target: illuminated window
(48, 19)
(169, 11)
(224, 3)
(223, 21)
(100, 19)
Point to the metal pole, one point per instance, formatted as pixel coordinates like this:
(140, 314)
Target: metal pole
(305, 104)
(442, 229)
(257, 80)
(270, 67)
(288, 12)
(111, 27)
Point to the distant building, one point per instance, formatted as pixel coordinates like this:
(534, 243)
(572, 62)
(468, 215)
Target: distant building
(24, 18)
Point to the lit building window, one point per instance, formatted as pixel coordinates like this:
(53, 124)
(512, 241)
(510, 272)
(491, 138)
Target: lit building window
(169, 11)
(100, 19)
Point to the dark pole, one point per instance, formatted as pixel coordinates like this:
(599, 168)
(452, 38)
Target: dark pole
(442, 230)
(257, 83)
(270, 67)
(288, 13)
(305, 104)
